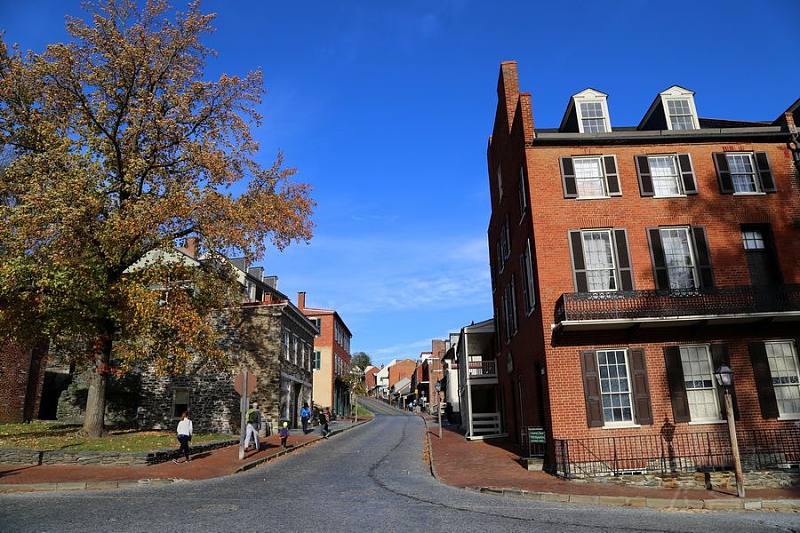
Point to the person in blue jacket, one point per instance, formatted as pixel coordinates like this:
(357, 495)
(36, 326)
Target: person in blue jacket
(305, 414)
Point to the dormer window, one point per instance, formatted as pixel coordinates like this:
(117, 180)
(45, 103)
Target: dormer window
(587, 112)
(680, 114)
(672, 110)
(593, 119)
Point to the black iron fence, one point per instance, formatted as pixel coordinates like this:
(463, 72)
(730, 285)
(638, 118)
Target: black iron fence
(665, 303)
(676, 452)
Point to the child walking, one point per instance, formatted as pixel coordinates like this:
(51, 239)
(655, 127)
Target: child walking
(284, 434)
(184, 436)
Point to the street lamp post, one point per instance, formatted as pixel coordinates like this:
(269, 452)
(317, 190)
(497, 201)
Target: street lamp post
(724, 376)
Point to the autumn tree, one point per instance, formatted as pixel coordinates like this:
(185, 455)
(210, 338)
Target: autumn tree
(116, 146)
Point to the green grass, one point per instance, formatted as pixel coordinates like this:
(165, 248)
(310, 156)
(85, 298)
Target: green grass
(41, 435)
(362, 411)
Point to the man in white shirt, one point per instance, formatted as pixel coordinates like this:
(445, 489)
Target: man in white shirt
(253, 426)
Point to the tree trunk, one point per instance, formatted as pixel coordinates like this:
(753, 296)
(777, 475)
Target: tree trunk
(93, 422)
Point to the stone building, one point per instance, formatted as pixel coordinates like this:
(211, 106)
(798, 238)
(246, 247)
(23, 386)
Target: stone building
(273, 340)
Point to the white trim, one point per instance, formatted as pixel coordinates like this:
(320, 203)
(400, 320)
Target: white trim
(678, 93)
(794, 416)
(620, 425)
(678, 176)
(687, 318)
(701, 422)
(589, 96)
(603, 177)
(631, 399)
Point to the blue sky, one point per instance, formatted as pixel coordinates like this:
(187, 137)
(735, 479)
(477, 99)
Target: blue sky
(385, 108)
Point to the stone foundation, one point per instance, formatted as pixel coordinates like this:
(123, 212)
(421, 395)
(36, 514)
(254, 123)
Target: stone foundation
(773, 479)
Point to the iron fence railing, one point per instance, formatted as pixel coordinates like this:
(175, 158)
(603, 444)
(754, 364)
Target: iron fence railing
(667, 303)
(672, 452)
(482, 368)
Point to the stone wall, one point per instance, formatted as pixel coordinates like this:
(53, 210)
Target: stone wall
(59, 457)
(121, 400)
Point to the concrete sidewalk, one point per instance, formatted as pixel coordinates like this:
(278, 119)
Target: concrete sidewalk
(215, 463)
(492, 466)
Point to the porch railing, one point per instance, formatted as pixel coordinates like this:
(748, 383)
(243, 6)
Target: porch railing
(676, 303)
(485, 368)
(679, 452)
(485, 423)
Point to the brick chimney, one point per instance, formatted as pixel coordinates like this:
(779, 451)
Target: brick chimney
(190, 246)
(301, 300)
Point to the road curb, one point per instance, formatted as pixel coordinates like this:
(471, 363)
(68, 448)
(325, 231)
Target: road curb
(712, 504)
(262, 460)
(73, 486)
(430, 450)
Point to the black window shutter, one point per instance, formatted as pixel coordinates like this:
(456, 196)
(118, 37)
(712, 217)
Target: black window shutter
(719, 355)
(623, 260)
(578, 265)
(659, 261)
(645, 180)
(612, 177)
(723, 173)
(764, 172)
(687, 174)
(568, 178)
(763, 377)
(703, 257)
(641, 387)
(677, 388)
(591, 389)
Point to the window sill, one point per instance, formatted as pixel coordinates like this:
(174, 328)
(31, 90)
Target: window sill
(704, 422)
(789, 417)
(749, 194)
(670, 196)
(592, 198)
(621, 426)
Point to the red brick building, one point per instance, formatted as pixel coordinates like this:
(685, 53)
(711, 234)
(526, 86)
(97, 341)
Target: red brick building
(21, 379)
(402, 369)
(628, 263)
(331, 361)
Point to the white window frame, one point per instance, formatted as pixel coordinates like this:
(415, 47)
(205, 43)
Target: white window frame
(506, 321)
(528, 282)
(690, 240)
(614, 268)
(603, 178)
(794, 347)
(317, 363)
(620, 423)
(578, 100)
(523, 194)
(499, 177)
(692, 109)
(714, 391)
(759, 189)
(295, 348)
(287, 344)
(678, 176)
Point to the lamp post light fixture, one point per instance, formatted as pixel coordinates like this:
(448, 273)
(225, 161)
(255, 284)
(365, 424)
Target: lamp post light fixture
(724, 377)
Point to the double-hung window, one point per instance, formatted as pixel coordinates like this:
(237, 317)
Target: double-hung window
(600, 260)
(512, 301)
(317, 359)
(665, 175)
(598, 256)
(505, 244)
(679, 257)
(680, 114)
(592, 117)
(615, 386)
(701, 393)
(499, 176)
(785, 372)
(523, 193)
(286, 344)
(296, 349)
(589, 177)
(744, 173)
(528, 287)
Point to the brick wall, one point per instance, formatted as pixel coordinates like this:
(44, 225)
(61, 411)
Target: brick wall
(21, 379)
(401, 370)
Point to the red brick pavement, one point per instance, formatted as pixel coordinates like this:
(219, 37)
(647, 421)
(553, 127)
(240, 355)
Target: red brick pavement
(493, 463)
(214, 463)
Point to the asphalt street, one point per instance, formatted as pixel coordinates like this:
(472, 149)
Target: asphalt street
(372, 478)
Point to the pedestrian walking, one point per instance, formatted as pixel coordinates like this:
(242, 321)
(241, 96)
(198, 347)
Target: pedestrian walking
(305, 414)
(323, 423)
(253, 426)
(184, 436)
(284, 434)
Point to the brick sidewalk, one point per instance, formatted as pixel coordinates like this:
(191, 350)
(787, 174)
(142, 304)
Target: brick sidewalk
(493, 464)
(214, 463)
